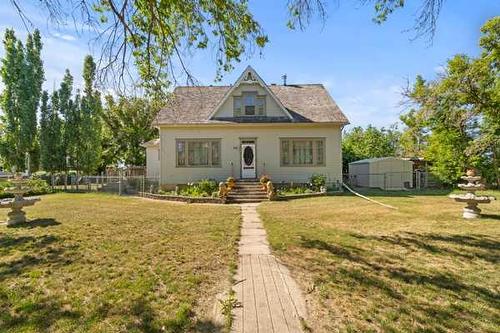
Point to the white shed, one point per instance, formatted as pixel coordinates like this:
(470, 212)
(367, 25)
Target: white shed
(152, 158)
(388, 173)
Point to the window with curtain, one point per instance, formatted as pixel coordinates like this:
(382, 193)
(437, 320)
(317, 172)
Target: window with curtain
(249, 104)
(198, 152)
(302, 151)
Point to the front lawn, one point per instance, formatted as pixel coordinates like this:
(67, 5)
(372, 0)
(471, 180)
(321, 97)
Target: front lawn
(103, 263)
(366, 268)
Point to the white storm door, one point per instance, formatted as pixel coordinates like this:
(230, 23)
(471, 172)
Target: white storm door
(248, 160)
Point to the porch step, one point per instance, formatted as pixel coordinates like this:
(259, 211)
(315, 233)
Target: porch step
(241, 200)
(247, 191)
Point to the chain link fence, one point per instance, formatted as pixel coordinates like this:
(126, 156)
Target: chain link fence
(394, 180)
(122, 185)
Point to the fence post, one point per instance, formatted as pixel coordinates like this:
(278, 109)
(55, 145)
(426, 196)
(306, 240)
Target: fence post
(120, 183)
(143, 184)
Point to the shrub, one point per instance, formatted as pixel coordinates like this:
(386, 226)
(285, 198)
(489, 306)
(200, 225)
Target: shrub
(204, 188)
(317, 181)
(38, 186)
(207, 185)
(294, 190)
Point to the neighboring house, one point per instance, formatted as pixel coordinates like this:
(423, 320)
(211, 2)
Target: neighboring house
(288, 132)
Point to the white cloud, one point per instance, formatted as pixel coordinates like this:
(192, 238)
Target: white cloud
(66, 37)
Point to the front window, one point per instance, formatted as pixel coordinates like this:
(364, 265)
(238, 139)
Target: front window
(249, 104)
(302, 151)
(198, 152)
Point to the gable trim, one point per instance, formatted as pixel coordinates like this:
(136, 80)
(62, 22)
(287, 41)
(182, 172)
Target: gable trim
(242, 79)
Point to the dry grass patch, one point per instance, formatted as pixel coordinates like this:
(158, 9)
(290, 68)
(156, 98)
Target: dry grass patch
(103, 263)
(366, 268)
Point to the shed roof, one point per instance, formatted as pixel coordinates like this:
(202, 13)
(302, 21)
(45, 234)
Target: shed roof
(376, 159)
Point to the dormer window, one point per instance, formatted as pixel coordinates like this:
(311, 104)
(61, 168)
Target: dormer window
(249, 104)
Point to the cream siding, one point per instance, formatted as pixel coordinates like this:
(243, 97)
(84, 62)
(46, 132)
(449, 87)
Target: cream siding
(267, 151)
(152, 162)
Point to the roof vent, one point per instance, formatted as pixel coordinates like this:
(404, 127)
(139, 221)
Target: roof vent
(284, 79)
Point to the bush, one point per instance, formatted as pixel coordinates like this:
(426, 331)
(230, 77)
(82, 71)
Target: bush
(294, 190)
(204, 188)
(38, 186)
(318, 181)
(207, 185)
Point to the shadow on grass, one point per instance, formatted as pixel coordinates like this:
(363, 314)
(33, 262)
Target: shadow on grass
(37, 223)
(491, 216)
(478, 246)
(31, 252)
(381, 269)
(401, 194)
(34, 311)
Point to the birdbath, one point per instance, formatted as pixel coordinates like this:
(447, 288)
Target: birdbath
(471, 211)
(17, 215)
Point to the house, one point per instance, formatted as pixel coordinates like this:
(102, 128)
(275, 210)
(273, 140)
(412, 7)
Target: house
(387, 173)
(245, 130)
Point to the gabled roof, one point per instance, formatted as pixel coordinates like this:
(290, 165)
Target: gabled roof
(249, 75)
(304, 103)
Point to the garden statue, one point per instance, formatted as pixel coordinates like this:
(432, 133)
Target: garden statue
(471, 211)
(223, 190)
(271, 191)
(17, 215)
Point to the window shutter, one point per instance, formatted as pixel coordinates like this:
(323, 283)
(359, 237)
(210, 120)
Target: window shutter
(237, 106)
(261, 106)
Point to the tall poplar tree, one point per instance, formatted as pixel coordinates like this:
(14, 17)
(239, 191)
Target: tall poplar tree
(90, 124)
(52, 152)
(22, 75)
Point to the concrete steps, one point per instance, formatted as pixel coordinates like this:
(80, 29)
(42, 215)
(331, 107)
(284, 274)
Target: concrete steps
(247, 192)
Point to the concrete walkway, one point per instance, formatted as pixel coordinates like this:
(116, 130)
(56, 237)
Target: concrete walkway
(269, 299)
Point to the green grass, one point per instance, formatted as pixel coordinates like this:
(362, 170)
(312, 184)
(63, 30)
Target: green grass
(103, 263)
(366, 268)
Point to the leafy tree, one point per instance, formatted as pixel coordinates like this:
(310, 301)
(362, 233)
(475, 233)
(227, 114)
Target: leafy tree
(71, 118)
(52, 154)
(359, 143)
(155, 33)
(22, 76)
(461, 112)
(128, 125)
(90, 116)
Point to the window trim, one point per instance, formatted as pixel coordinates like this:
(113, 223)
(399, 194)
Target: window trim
(290, 151)
(201, 140)
(242, 111)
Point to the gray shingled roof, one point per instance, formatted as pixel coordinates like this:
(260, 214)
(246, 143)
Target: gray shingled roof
(305, 102)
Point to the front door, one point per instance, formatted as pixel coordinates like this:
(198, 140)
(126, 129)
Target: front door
(248, 169)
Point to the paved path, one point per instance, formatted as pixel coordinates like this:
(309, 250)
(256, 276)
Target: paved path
(270, 300)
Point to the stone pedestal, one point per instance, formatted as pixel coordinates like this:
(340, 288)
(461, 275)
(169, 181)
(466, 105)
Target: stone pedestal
(471, 211)
(16, 216)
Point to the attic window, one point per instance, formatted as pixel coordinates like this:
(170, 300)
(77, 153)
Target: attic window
(249, 104)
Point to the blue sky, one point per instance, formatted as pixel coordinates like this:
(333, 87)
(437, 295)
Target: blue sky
(363, 65)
